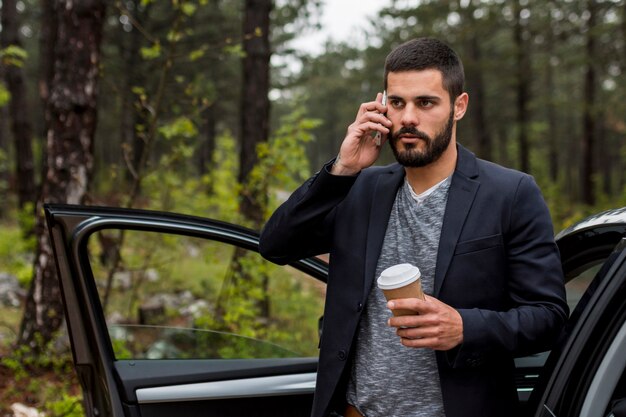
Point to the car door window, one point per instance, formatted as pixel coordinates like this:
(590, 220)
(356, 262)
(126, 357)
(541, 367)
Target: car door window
(577, 285)
(169, 296)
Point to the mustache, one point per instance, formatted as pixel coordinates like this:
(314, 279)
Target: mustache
(409, 130)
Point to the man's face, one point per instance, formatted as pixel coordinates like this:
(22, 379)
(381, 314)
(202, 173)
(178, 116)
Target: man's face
(419, 108)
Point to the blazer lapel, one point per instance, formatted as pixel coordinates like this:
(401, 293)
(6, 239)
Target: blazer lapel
(384, 196)
(460, 198)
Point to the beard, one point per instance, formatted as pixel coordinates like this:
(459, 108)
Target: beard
(411, 156)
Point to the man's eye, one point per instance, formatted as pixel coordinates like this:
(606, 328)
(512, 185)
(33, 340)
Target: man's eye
(395, 103)
(426, 103)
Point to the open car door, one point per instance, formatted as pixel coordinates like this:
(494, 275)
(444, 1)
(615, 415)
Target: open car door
(585, 249)
(585, 375)
(173, 315)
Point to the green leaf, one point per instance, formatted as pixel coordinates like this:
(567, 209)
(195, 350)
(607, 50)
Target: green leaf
(138, 90)
(196, 55)
(152, 52)
(13, 55)
(235, 50)
(180, 127)
(188, 8)
(5, 96)
(174, 35)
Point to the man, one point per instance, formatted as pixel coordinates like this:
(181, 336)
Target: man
(480, 234)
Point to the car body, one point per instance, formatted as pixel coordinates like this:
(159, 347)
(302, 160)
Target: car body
(173, 314)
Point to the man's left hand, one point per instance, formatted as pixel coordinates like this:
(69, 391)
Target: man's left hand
(435, 325)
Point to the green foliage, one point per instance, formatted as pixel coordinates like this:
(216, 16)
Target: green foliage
(188, 8)
(5, 96)
(16, 251)
(283, 163)
(222, 181)
(151, 52)
(253, 308)
(180, 127)
(272, 312)
(196, 54)
(121, 349)
(14, 364)
(235, 50)
(27, 370)
(13, 55)
(49, 358)
(66, 406)
(173, 186)
(27, 221)
(4, 166)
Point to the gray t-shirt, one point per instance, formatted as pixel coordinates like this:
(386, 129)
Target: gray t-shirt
(389, 379)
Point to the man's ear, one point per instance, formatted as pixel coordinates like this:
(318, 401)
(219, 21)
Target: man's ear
(460, 106)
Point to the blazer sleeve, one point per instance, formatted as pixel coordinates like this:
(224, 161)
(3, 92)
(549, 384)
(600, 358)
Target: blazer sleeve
(302, 226)
(535, 286)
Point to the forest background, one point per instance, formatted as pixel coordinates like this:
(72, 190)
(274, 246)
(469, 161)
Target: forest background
(204, 107)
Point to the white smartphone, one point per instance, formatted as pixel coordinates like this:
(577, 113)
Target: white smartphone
(379, 136)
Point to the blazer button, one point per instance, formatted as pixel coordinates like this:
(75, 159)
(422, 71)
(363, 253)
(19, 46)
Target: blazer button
(359, 307)
(342, 355)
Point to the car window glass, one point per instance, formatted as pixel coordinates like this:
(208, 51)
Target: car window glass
(173, 296)
(576, 287)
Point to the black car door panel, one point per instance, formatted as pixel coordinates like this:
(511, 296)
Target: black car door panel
(166, 317)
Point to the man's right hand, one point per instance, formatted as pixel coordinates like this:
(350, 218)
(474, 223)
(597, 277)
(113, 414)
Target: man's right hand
(359, 149)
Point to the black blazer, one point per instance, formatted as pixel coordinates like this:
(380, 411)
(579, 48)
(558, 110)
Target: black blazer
(497, 265)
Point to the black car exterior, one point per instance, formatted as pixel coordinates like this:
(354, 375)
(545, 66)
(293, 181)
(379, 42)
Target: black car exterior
(146, 363)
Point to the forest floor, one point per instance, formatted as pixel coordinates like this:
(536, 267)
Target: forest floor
(50, 389)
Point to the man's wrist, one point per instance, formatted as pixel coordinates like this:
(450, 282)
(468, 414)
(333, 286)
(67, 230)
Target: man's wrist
(339, 169)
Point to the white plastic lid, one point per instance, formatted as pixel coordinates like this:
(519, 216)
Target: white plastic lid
(398, 276)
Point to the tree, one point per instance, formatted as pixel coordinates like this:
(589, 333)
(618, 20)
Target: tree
(474, 70)
(71, 121)
(520, 34)
(589, 109)
(553, 154)
(19, 110)
(255, 104)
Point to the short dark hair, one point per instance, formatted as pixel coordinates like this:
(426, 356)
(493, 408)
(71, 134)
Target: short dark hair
(428, 53)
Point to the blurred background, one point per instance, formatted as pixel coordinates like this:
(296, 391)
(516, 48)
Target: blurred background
(220, 108)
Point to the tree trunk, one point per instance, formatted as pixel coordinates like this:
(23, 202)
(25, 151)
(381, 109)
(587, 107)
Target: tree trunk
(624, 33)
(4, 153)
(553, 151)
(255, 108)
(589, 122)
(47, 43)
(255, 105)
(215, 74)
(132, 114)
(523, 89)
(18, 110)
(485, 145)
(71, 121)
(607, 158)
(208, 143)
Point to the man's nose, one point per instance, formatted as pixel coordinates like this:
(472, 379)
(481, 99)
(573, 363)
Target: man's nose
(410, 116)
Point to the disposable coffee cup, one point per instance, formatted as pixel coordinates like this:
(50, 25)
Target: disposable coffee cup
(401, 281)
